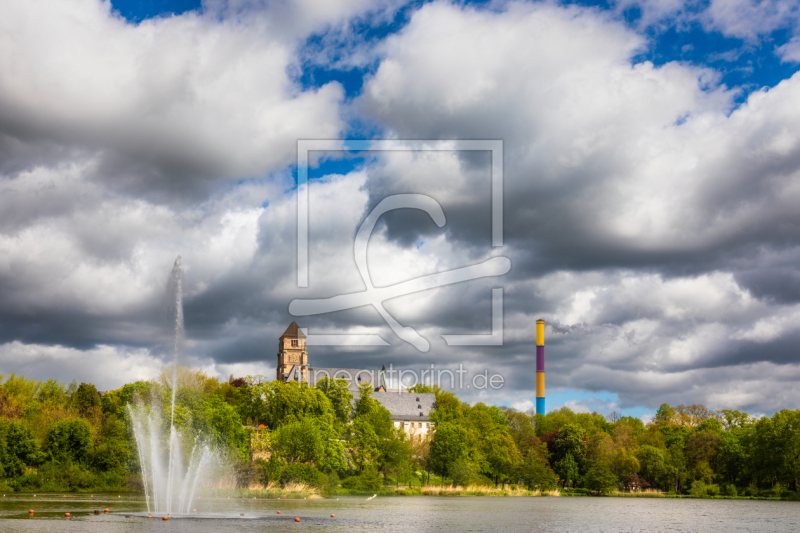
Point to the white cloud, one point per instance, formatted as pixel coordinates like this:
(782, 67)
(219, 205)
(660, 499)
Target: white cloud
(187, 94)
(107, 367)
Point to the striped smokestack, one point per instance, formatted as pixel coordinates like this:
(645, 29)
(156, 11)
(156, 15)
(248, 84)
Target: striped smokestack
(540, 366)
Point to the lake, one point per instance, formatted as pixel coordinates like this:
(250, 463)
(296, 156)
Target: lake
(435, 514)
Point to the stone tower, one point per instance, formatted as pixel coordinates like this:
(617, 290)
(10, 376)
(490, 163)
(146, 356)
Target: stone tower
(292, 351)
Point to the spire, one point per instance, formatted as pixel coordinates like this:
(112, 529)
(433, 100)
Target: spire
(293, 332)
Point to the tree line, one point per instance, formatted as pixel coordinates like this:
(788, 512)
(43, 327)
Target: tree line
(58, 437)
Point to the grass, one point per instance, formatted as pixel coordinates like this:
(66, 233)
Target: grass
(292, 491)
(471, 490)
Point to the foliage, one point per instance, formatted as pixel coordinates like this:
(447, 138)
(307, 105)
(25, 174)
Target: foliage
(448, 445)
(86, 399)
(600, 478)
(338, 392)
(58, 436)
(461, 471)
(69, 440)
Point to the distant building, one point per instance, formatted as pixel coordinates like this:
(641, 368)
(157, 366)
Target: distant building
(411, 411)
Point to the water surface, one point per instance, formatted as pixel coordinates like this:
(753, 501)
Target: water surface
(435, 514)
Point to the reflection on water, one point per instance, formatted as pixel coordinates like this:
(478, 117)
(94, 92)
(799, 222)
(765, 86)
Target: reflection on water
(399, 514)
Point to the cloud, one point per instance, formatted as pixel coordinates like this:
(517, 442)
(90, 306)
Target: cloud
(165, 107)
(644, 214)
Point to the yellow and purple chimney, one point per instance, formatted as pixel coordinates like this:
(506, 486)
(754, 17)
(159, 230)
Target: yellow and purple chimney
(540, 366)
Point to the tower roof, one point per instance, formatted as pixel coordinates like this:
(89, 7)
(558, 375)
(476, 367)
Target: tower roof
(293, 332)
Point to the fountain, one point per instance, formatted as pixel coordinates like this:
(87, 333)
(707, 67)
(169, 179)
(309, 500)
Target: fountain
(169, 486)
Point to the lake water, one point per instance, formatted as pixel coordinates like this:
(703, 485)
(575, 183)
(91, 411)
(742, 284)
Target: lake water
(438, 515)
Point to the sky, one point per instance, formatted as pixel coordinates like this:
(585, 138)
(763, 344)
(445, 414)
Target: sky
(651, 178)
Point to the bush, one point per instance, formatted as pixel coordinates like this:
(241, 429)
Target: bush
(730, 490)
(270, 471)
(369, 479)
(461, 471)
(702, 490)
(352, 483)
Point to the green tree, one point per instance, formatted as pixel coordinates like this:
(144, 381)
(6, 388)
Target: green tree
(665, 415)
(653, 465)
(461, 471)
(599, 478)
(18, 448)
(298, 442)
(567, 469)
(502, 456)
(86, 399)
(363, 442)
(570, 440)
(449, 444)
(69, 440)
(113, 451)
(536, 473)
(338, 392)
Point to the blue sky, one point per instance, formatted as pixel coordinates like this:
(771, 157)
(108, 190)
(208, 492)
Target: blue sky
(746, 64)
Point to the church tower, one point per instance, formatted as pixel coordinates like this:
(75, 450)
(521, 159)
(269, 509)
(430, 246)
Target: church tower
(292, 351)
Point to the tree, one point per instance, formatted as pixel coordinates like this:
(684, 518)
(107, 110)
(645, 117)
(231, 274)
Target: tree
(298, 442)
(449, 444)
(623, 462)
(69, 440)
(567, 468)
(18, 448)
(536, 473)
(448, 407)
(461, 471)
(653, 465)
(690, 416)
(363, 442)
(338, 392)
(86, 399)
(702, 447)
(112, 453)
(665, 415)
(502, 456)
(570, 440)
(599, 478)
(633, 483)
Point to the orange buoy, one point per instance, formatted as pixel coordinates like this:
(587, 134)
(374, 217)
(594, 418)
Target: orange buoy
(105, 510)
(31, 511)
(194, 510)
(333, 516)
(278, 512)
(66, 514)
(149, 516)
(164, 518)
(296, 519)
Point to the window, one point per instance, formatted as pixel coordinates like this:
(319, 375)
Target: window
(420, 414)
(294, 343)
(417, 399)
(419, 407)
